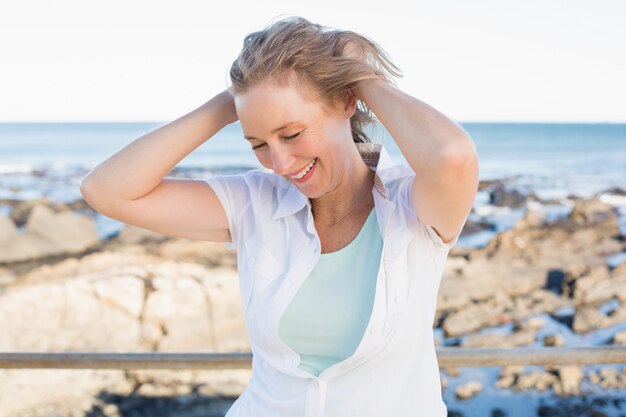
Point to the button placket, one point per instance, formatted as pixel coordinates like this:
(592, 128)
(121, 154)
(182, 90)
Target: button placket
(316, 398)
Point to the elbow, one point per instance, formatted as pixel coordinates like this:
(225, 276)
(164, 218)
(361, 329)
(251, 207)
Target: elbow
(86, 185)
(461, 160)
(89, 192)
(461, 152)
(86, 192)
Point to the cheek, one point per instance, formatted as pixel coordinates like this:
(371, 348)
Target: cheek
(264, 159)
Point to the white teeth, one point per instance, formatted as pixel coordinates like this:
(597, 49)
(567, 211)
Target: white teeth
(304, 171)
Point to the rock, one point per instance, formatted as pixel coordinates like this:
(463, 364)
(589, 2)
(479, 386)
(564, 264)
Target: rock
(480, 278)
(131, 235)
(101, 308)
(132, 293)
(512, 370)
(225, 311)
(132, 258)
(532, 219)
(178, 305)
(591, 292)
(7, 277)
(608, 378)
(619, 338)
(619, 272)
(22, 209)
(553, 340)
(538, 380)
(592, 213)
(161, 390)
(486, 185)
(467, 390)
(506, 381)
(455, 265)
(616, 191)
(197, 315)
(469, 319)
(105, 311)
(212, 254)
(452, 371)
(588, 319)
(537, 302)
(594, 377)
(55, 317)
(69, 232)
(582, 280)
(508, 375)
(8, 231)
(17, 398)
(498, 412)
(570, 378)
(535, 323)
(111, 410)
(48, 234)
(125, 293)
(500, 196)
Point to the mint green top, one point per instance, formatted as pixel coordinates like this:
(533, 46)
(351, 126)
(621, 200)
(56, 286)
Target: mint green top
(327, 317)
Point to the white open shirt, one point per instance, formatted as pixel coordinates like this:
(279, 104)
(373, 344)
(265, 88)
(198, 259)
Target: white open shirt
(394, 370)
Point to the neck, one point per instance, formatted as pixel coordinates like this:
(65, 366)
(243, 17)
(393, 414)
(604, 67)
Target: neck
(351, 197)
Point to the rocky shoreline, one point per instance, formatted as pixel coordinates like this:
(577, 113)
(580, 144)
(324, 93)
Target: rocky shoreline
(543, 282)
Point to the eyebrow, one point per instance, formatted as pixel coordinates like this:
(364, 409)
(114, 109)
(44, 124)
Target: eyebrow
(278, 129)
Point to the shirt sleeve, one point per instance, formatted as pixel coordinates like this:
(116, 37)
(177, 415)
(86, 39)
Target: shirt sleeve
(233, 193)
(406, 193)
(439, 242)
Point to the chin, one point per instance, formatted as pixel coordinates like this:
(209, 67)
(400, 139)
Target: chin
(308, 192)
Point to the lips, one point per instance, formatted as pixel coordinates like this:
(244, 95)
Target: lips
(303, 171)
(305, 174)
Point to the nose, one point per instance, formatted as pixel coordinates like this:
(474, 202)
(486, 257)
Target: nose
(282, 161)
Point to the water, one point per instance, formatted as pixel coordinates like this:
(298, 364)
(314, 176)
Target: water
(573, 156)
(552, 160)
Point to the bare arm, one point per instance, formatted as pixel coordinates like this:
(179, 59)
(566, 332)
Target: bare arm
(130, 186)
(442, 155)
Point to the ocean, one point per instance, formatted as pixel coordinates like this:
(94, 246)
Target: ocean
(553, 160)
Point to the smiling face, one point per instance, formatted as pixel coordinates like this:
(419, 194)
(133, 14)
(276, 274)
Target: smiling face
(298, 137)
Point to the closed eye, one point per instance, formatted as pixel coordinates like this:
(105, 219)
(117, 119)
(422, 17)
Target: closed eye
(254, 148)
(292, 136)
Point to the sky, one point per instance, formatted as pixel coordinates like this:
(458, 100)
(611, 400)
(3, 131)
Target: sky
(152, 60)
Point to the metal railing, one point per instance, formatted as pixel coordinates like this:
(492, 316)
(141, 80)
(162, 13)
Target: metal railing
(446, 357)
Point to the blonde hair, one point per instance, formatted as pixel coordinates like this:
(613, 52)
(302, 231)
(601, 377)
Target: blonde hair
(313, 53)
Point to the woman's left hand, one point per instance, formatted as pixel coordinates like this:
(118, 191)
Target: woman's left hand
(353, 51)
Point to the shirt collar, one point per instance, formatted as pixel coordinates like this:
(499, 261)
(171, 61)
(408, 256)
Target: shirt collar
(375, 156)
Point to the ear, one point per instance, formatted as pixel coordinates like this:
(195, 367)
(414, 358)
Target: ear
(349, 104)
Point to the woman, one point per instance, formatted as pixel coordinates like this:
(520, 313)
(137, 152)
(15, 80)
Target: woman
(340, 252)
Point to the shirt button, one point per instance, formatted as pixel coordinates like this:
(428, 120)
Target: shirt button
(373, 330)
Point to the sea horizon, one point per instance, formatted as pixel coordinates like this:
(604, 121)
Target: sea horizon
(554, 161)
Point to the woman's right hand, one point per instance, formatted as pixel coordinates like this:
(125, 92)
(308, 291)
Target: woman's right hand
(131, 185)
(228, 104)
